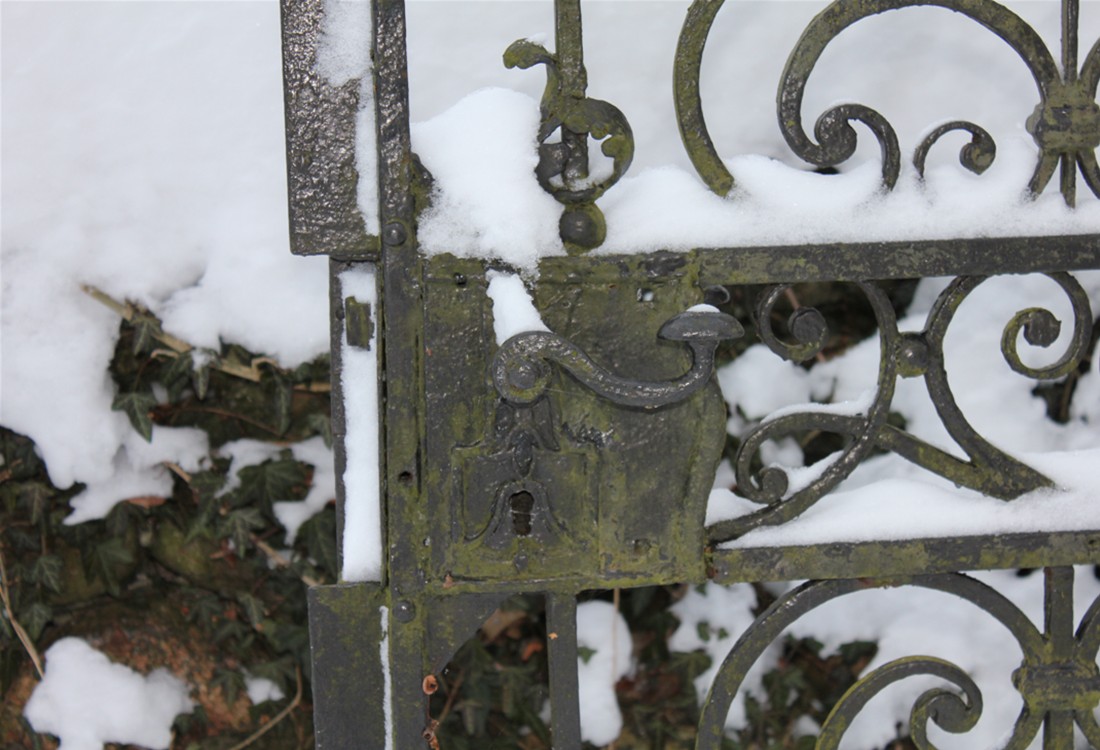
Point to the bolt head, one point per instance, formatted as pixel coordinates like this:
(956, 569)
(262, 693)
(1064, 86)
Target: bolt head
(404, 611)
(394, 233)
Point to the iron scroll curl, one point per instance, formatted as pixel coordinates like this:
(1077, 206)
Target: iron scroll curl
(952, 711)
(1065, 124)
(986, 467)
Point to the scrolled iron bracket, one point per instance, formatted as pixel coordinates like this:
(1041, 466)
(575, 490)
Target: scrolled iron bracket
(521, 368)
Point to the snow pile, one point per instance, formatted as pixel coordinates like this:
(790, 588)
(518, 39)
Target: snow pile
(362, 536)
(514, 311)
(85, 700)
(139, 470)
(260, 689)
(153, 171)
(486, 202)
(605, 646)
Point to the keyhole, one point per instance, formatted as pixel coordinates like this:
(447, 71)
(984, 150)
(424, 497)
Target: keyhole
(521, 504)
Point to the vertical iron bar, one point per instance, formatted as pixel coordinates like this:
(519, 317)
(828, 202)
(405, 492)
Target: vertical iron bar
(1058, 623)
(1068, 175)
(569, 50)
(400, 344)
(1070, 12)
(561, 626)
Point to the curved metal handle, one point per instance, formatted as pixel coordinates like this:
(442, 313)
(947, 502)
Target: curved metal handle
(521, 369)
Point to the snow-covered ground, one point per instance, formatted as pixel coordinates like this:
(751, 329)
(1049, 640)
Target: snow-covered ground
(142, 154)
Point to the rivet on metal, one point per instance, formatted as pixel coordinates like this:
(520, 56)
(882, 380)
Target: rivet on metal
(404, 611)
(394, 234)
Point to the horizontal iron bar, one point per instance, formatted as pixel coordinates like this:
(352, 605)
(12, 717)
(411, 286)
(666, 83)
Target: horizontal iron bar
(904, 557)
(855, 261)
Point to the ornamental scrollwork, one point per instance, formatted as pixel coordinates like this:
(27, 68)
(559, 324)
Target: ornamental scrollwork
(1065, 124)
(986, 468)
(1058, 676)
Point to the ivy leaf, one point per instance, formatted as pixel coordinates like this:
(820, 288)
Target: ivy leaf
(265, 483)
(230, 630)
(322, 425)
(137, 405)
(177, 375)
(146, 327)
(207, 483)
(23, 540)
(239, 525)
(179, 368)
(119, 518)
(46, 571)
(585, 653)
(34, 618)
(106, 558)
(200, 376)
(205, 610)
(35, 497)
(253, 609)
(230, 681)
(202, 522)
(318, 534)
(284, 399)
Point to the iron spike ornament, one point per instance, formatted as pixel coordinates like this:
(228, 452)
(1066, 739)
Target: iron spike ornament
(563, 168)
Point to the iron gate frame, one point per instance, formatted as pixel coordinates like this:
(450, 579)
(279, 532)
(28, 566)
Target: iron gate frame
(463, 429)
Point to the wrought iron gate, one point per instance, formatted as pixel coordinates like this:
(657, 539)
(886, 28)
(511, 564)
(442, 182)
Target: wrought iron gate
(503, 468)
